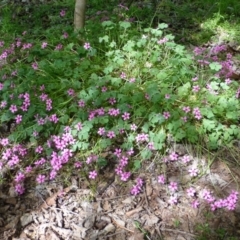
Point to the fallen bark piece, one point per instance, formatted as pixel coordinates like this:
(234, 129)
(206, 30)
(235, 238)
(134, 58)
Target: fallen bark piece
(78, 231)
(136, 210)
(26, 219)
(89, 222)
(108, 229)
(64, 233)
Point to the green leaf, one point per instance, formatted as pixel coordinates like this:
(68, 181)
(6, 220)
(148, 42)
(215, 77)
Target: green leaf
(125, 25)
(70, 46)
(105, 39)
(136, 165)
(232, 115)
(146, 154)
(162, 25)
(184, 90)
(64, 119)
(102, 162)
(207, 112)
(179, 135)
(145, 127)
(104, 143)
(83, 135)
(108, 25)
(208, 125)
(215, 66)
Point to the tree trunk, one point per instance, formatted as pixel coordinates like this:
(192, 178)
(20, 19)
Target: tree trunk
(79, 14)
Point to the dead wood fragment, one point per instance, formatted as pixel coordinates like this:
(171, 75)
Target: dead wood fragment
(136, 210)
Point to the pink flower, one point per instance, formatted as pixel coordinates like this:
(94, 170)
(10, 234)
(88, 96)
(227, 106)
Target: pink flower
(196, 88)
(44, 45)
(123, 161)
(62, 13)
(112, 101)
(81, 103)
(53, 118)
(186, 109)
(19, 188)
(101, 131)
(28, 169)
(65, 35)
(125, 176)
(136, 189)
(147, 96)
(113, 112)
(151, 146)
(186, 159)
(184, 119)
(173, 200)
(195, 204)
(77, 164)
(19, 177)
(111, 134)
(166, 115)
(39, 149)
(167, 96)
(191, 192)
(133, 127)
(123, 75)
(87, 45)
(130, 152)
(58, 47)
(18, 119)
(40, 178)
(118, 152)
(173, 186)
(13, 108)
(142, 137)
(79, 126)
(228, 81)
(197, 113)
(70, 92)
(104, 89)
(3, 104)
(93, 174)
(35, 66)
(163, 40)
(126, 116)
(161, 179)
(193, 171)
(4, 141)
(173, 156)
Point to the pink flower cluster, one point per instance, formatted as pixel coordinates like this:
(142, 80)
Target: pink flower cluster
(136, 189)
(142, 137)
(197, 113)
(96, 112)
(229, 203)
(123, 159)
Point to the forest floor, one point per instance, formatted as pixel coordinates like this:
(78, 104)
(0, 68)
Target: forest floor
(51, 211)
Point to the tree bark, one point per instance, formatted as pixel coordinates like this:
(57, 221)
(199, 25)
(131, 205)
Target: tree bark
(79, 14)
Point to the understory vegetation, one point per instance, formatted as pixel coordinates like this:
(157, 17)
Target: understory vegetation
(118, 92)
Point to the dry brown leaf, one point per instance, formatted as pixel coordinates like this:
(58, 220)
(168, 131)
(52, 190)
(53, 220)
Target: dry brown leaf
(136, 210)
(150, 219)
(49, 201)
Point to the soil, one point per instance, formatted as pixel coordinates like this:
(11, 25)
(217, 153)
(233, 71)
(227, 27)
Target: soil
(109, 211)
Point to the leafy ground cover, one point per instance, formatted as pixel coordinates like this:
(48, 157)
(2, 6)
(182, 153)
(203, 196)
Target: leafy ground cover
(117, 96)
